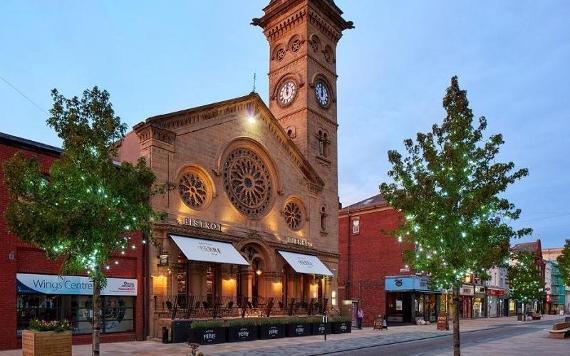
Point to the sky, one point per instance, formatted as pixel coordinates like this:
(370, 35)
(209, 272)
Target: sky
(512, 57)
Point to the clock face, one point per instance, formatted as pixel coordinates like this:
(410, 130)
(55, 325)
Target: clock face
(287, 92)
(322, 93)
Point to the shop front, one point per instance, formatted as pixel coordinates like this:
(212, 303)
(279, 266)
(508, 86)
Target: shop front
(497, 304)
(479, 302)
(409, 300)
(467, 293)
(53, 297)
(198, 277)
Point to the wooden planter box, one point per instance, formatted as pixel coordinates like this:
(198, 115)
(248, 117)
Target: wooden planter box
(46, 343)
(298, 329)
(208, 336)
(242, 333)
(271, 331)
(341, 327)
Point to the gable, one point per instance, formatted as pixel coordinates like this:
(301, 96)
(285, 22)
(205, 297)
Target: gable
(168, 126)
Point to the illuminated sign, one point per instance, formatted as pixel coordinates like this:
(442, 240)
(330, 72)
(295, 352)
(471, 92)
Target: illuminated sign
(202, 224)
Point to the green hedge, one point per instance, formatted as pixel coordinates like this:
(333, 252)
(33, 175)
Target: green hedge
(207, 324)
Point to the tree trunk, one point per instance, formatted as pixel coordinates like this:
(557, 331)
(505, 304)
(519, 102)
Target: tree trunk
(96, 316)
(456, 301)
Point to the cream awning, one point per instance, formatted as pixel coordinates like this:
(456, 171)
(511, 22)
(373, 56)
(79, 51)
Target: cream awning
(208, 251)
(307, 264)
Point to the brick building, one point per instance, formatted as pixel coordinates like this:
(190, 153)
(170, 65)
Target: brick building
(31, 287)
(367, 254)
(535, 248)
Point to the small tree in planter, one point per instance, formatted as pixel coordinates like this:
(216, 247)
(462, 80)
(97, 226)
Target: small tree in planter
(208, 332)
(271, 328)
(47, 338)
(242, 329)
(341, 324)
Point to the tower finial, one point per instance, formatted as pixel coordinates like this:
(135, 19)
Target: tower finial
(254, 78)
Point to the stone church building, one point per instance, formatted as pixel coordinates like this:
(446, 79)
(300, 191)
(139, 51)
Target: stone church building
(252, 218)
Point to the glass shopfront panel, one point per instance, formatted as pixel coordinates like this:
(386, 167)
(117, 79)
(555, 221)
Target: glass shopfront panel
(117, 311)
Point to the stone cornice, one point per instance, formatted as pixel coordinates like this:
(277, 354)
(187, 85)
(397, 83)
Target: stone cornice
(232, 237)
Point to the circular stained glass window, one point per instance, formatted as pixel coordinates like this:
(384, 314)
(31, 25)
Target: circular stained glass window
(293, 214)
(247, 181)
(193, 190)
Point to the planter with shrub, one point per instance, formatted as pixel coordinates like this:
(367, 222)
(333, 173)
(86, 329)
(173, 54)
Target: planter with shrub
(318, 327)
(242, 329)
(299, 327)
(272, 328)
(340, 324)
(207, 332)
(47, 338)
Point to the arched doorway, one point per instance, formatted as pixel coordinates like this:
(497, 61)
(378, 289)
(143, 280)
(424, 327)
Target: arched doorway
(251, 287)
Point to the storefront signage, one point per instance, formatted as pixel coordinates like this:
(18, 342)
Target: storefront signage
(467, 290)
(202, 224)
(72, 285)
(480, 289)
(406, 283)
(298, 241)
(496, 292)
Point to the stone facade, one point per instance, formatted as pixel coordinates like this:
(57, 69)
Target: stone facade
(264, 177)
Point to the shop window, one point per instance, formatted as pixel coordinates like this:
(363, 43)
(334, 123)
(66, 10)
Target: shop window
(117, 311)
(356, 226)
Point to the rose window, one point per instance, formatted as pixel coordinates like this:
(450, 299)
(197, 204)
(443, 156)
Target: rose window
(293, 215)
(280, 54)
(192, 190)
(247, 181)
(295, 45)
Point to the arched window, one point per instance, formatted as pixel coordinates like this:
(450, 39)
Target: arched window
(325, 145)
(323, 218)
(321, 139)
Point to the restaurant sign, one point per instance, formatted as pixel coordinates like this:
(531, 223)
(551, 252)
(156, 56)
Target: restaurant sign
(406, 283)
(298, 241)
(202, 224)
(72, 285)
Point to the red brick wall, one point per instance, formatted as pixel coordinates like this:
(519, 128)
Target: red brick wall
(374, 254)
(20, 257)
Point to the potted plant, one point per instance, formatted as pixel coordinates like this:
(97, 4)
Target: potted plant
(318, 326)
(340, 324)
(299, 327)
(271, 328)
(242, 329)
(49, 338)
(207, 332)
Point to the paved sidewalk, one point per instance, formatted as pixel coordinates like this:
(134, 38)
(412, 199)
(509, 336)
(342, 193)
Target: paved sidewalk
(308, 345)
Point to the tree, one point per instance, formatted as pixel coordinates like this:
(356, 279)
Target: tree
(564, 263)
(88, 207)
(525, 283)
(449, 191)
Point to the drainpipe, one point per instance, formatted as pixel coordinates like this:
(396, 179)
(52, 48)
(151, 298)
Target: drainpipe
(349, 262)
(146, 294)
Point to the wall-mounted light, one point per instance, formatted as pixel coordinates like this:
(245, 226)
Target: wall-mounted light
(163, 259)
(258, 272)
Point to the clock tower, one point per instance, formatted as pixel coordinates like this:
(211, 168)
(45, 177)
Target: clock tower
(302, 36)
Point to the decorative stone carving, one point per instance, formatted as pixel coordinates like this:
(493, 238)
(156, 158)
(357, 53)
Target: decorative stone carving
(194, 189)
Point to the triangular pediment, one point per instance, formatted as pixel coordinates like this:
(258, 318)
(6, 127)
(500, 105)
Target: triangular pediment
(251, 103)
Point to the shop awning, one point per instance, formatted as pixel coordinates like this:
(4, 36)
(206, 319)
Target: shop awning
(208, 251)
(305, 263)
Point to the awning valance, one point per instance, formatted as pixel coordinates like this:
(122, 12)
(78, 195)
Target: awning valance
(208, 251)
(305, 263)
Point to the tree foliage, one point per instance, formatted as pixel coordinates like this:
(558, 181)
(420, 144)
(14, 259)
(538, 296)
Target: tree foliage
(564, 263)
(87, 205)
(449, 190)
(525, 283)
